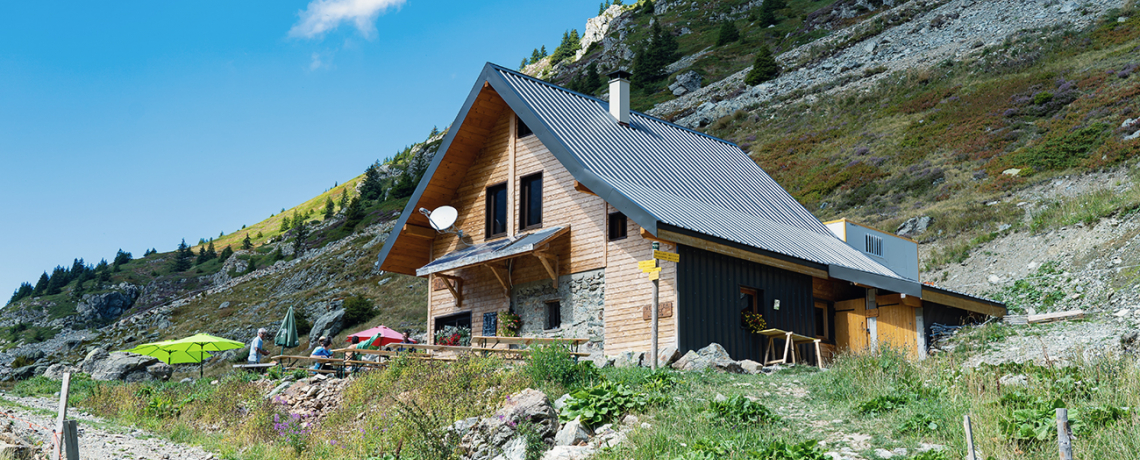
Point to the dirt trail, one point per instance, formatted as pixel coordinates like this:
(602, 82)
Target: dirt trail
(95, 439)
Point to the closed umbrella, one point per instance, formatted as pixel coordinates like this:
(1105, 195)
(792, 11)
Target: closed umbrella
(287, 333)
(159, 350)
(202, 343)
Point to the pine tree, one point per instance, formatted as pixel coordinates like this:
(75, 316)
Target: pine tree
(226, 253)
(764, 68)
(727, 33)
(77, 291)
(343, 199)
(122, 257)
(330, 208)
(371, 186)
(202, 258)
(652, 57)
(42, 284)
(601, 8)
(767, 14)
(182, 258)
(570, 45)
(246, 244)
(57, 280)
(285, 224)
(535, 56)
(522, 65)
(354, 214)
(542, 52)
(25, 290)
(592, 80)
(210, 252)
(297, 220)
(299, 243)
(252, 266)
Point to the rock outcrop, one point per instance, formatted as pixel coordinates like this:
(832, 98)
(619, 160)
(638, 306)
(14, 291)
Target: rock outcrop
(496, 435)
(127, 367)
(104, 308)
(914, 226)
(327, 325)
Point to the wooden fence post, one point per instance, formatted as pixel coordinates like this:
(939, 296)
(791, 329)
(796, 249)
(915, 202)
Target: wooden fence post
(59, 428)
(71, 439)
(970, 454)
(1064, 442)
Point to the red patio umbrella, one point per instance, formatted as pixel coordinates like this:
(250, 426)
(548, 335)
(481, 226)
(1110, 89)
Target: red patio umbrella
(384, 335)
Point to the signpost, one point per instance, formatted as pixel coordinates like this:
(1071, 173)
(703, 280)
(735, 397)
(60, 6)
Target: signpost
(651, 268)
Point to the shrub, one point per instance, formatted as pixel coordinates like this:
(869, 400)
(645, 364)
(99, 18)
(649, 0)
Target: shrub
(357, 310)
(727, 33)
(552, 364)
(602, 403)
(764, 68)
(919, 423)
(741, 409)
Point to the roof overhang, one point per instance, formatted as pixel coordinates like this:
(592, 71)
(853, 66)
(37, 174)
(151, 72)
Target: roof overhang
(494, 251)
(966, 302)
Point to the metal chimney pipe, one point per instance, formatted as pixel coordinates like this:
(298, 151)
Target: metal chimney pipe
(619, 96)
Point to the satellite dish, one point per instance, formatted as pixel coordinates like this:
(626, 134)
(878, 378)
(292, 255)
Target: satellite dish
(443, 218)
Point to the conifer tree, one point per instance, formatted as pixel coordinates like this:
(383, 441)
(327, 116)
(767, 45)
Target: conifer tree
(728, 33)
(299, 243)
(42, 284)
(542, 52)
(57, 280)
(77, 291)
(210, 252)
(330, 208)
(25, 290)
(652, 57)
(764, 68)
(285, 224)
(122, 257)
(344, 199)
(201, 256)
(246, 244)
(182, 258)
(535, 56)
(226, 253)
(601, 8)
(592, 80)
(354, 214)
(522, 65)
(767, 14)
(371, 187)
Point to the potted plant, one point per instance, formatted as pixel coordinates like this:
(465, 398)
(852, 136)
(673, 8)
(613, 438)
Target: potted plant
(453, 336)
(753, 322)
(509, 324)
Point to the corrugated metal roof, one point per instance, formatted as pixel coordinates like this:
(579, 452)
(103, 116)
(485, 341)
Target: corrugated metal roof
(684, 178)
(493, 250)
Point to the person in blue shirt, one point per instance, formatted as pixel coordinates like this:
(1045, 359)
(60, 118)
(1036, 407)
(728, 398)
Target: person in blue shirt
(257, 347)
(322, 351)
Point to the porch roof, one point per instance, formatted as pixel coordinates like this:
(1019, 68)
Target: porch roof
(503, 248)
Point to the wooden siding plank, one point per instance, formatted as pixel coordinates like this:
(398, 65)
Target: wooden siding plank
(965, 304)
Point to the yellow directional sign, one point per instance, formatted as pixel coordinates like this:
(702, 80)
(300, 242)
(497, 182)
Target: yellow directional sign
(669, 256)
(651, 270)
(654, 275)
(646, 264)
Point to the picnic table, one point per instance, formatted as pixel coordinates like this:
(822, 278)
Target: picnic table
(391, 353)
(488, 342)
(340, 365)
(791, 340)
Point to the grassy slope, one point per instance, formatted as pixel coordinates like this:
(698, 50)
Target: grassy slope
(936, 141)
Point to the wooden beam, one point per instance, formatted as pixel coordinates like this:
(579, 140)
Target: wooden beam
(899, 299)
(416, 231)
(502, 275)
(649, 236)
(730, 251)
(456, 289)
(549, 261)
(965, 304)
(582, 188)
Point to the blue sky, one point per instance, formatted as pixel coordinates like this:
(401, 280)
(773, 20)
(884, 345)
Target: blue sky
(135, 124)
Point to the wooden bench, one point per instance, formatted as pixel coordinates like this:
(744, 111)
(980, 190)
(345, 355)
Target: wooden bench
(392, 354)
(260, 367)
(341, 365)
(791, 340)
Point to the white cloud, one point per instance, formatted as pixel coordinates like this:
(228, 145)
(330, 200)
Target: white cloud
(316, 64)
(322, 16)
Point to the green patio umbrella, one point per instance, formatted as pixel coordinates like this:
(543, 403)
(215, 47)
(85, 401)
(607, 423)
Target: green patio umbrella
(287, 333)
(200, 343)
(159, 350)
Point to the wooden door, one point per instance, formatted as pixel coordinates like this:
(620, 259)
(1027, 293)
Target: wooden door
(851, 331)
(896, 328)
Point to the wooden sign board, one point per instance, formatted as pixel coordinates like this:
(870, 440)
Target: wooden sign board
(667, 256)
(646, 264)
(664, 310)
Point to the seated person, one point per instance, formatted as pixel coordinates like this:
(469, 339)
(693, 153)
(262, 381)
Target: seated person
(322, 351)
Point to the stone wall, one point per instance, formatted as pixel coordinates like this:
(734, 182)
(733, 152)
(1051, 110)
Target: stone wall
(582, 297)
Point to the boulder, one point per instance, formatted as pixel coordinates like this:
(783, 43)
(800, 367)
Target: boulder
(686, 83)
(160, 371)
(571, 434)
(914, 226)
(56, 371)
(93, 357)
(122, 366)
(569, 453)
(515, 449)
(107, 307)
(1130, 341)
(750, 366)
(629, 359)
(23, 373)
(328, 325)
(667, 356)
(713, 356)
(490, 437)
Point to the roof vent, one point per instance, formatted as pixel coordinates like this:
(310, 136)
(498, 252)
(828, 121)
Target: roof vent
(619, 96)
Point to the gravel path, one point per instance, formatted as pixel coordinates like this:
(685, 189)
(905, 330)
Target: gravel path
(95, 439)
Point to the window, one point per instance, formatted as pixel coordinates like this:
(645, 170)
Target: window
(618, 226)
(457, 320)
(496, 210)
(749, 303)
(530, 202)
(874, 245)
(822, 331)
(523, 129)
(553, 314)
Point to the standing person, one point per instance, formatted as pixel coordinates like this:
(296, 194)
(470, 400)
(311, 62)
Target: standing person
(257, 347)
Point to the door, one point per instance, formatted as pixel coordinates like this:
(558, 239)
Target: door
(851, 331)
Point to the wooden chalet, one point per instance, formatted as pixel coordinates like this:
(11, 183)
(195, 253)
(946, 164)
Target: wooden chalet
(560, 195)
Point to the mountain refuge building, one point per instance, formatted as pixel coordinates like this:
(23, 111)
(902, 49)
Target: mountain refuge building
(560, 195)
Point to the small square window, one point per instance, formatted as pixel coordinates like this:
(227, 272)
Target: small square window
(873, 245)
(530, 201)
(496, 210)
(523, 129)
(618, 226)
(553, 315)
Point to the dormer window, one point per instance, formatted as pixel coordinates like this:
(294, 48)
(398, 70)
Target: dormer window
(874, 245)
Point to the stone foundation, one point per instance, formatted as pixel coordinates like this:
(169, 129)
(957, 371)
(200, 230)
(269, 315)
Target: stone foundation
(582, 297)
